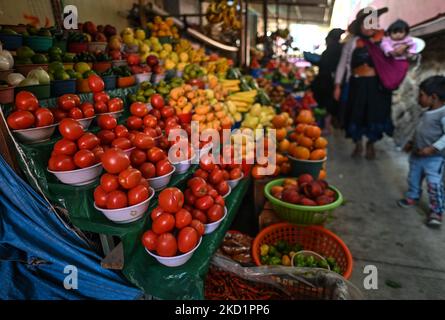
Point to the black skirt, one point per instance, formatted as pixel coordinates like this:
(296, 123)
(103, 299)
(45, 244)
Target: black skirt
(368, 111)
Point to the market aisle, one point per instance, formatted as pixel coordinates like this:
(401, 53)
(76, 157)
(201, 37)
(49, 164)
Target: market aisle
(378, 232)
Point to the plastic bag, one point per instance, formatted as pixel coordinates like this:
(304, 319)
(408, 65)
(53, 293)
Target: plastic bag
(292, 283)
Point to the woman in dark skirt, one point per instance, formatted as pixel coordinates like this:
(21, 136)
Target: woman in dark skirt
(368, 111)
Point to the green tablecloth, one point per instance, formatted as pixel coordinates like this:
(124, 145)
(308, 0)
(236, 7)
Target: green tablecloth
(184, 282)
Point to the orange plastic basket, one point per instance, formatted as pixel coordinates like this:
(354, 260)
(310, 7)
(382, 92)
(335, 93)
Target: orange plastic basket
(312, 238)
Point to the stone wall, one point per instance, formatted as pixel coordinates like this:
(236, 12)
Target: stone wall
(406, 110)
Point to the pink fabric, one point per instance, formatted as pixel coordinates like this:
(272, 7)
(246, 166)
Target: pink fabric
(391, 72)
(389, 45)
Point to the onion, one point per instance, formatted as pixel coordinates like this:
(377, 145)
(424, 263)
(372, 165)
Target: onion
(14, 79)
(8, 56)
(4, 63)
(40, 75)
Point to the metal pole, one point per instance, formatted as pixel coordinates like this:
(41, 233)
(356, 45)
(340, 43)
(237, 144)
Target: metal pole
(246, 35)
(265, 16)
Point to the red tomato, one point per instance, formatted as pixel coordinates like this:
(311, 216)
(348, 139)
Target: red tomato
(156, 113)
(198, 186)
(117, 200)
(201, 174)
(75, 113)
(156, 213)
(98, 152)
(220, 200)
(101, 97)
(134, 123)
(226, 175)
(167, 112)
(142, 141)
(157, 101)
(139, 109)
(204, 203)
(199, 215)
(198, 226)
(155, 154)
(106, 136)
(164, 223)
(59, 115)
(100, 107)
(187, 239)
(150, 132)
(166, 245)
(145, 183)
(44, 117)
(66, 147)
(61, 163)
(96, 83)
(88, 141)
(121, 131)
(115, 160)
(215, 213)
(148, 170)
(137, 195)
(67, 102)
(109, 182)
(236, 173)
(206, 163)
(84, 158)
(26, 101)
(70, 129)
(223, 188)
(149, 240)
(137, 157)
(163, 167)
(216, 176)
(87, 109)
(171, 121)
(171, 200)
(183, 218)
(129, 178)
(20, 120)
(122, 143)
(115, 104)
(100, 197)
(190, 198)
(107, 122)
(150, 121)
(213, 193)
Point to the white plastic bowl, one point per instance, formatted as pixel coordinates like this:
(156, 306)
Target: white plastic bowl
(228, 193)
(177, 260)
(234, 183)
(142, 77)
(183, 166)
(128, 214)
(115, 114)
(159, 183)
(35, 135)
(86, 122)
(79, 177)
(210, 227)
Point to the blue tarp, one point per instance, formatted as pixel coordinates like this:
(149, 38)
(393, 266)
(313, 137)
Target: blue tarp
(36, 248)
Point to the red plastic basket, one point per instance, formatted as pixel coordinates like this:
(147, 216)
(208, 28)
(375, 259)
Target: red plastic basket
(312, 238)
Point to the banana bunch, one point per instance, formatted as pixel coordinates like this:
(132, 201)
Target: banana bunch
(221, 11)
(243, 100)
(233, 111)
(231, 86)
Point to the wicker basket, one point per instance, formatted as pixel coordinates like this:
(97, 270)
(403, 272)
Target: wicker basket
(312, 238)
(301, 214)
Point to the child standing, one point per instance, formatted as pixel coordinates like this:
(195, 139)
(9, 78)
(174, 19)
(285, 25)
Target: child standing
(398, 42)
(428, 151)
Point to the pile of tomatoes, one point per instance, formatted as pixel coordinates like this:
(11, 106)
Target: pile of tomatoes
(76, 150)
(69, 106)
(122, 185)
(204, 202)
(174, 230)
(28, 113)
(112, 134)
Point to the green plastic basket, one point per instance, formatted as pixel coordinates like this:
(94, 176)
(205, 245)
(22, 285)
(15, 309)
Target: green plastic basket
(302, 215)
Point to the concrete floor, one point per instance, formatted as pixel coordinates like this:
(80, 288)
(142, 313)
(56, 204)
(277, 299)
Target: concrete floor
(380, 233)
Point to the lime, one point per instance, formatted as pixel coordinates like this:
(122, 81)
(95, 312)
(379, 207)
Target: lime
(56, 66)
(25, 53)
(55, 51)
(82, 67)
(39, 59)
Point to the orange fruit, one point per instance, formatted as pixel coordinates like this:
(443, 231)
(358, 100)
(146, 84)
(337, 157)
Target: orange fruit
(285, 168)
(318, 154)
(313, 132)
(305, 116)
(321, 143)
(281, 134)
(302, 153)
(300, 128)
(280, 159)
(293, 136)
(292, 148)
(305, 142)
(255, 173)
(284, 146)
(279, 121)
(323, 175)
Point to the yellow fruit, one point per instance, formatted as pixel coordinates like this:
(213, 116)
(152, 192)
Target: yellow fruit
(82, 67)
(184, 57)
(140, 34)
(128, 39)
(169, 64)
(167, 47)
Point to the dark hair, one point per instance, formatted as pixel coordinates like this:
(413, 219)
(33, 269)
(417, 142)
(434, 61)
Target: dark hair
(434, 85)
(399, 26)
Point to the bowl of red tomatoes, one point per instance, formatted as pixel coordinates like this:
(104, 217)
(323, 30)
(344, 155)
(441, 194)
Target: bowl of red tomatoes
(162, 181)
(175, 261)
(210, 227)
(77, 177)
(234, 182)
